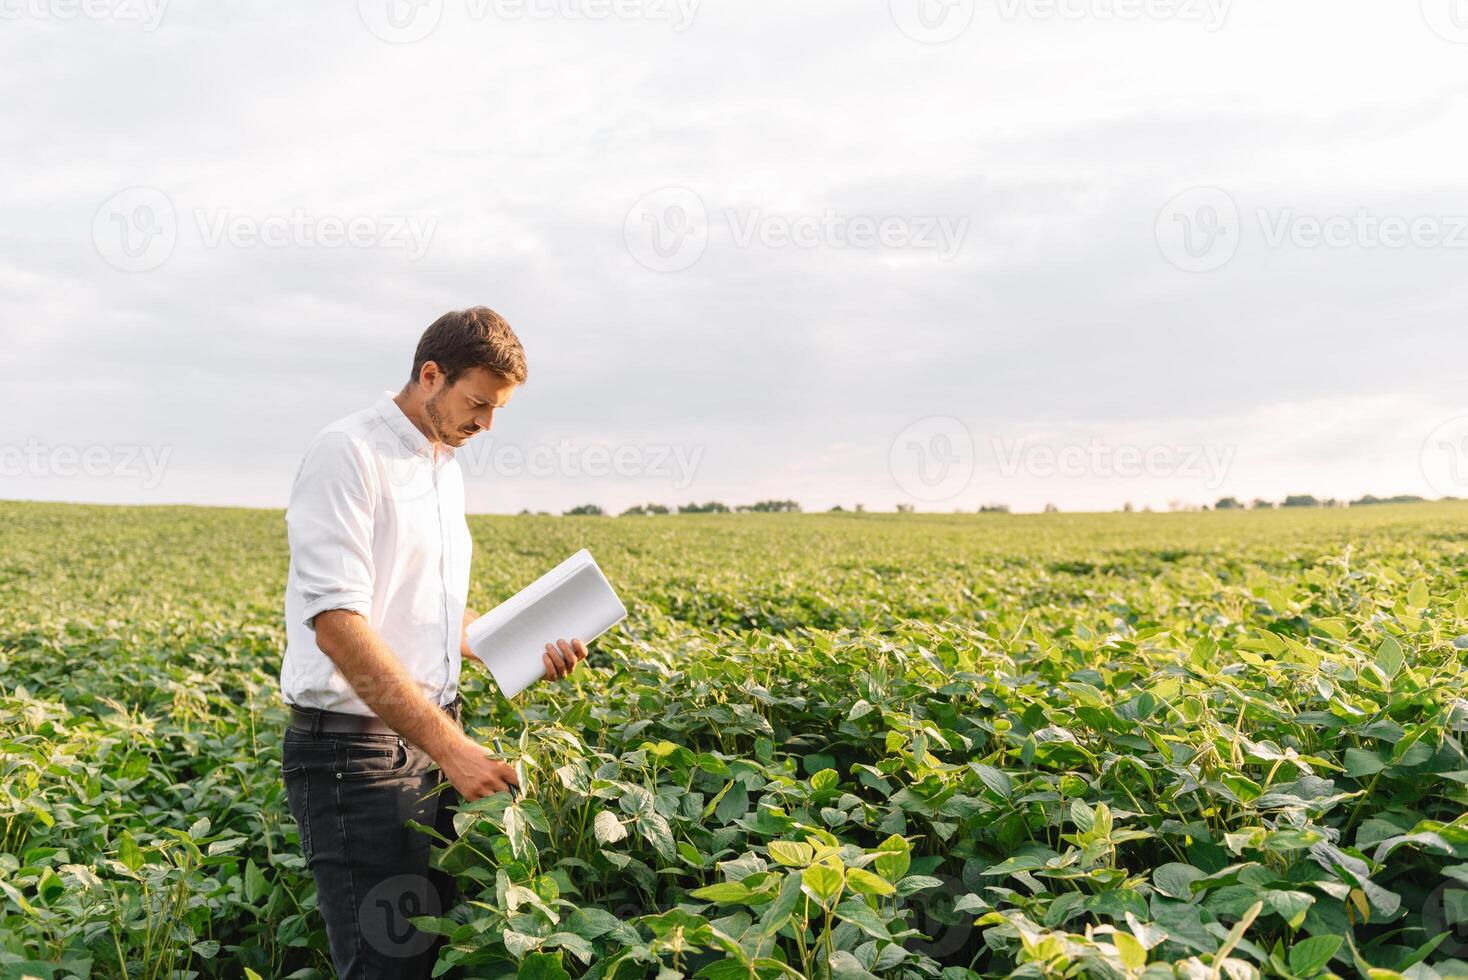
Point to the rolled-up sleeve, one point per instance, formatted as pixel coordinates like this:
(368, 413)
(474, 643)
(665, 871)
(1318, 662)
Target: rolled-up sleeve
(329, 523)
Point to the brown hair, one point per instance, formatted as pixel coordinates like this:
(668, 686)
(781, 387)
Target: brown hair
(476, 337)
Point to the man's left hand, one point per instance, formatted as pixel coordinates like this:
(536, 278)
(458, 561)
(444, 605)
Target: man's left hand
(464, 651)
(561, 657)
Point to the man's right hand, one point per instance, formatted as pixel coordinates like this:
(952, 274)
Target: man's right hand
(475, 775)
(381, 681)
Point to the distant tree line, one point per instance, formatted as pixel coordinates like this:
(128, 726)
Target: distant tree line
(645, 510)
(1294, 500)
(1368, 500)
(1310, 500)
(711, 507)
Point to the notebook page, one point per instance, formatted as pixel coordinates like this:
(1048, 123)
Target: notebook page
(572, 600)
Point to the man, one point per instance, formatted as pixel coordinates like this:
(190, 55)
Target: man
(375, 614)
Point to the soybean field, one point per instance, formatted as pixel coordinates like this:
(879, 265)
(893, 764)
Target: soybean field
(821, 746)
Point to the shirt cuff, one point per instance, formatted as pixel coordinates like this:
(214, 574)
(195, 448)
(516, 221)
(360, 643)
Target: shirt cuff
(356, 602)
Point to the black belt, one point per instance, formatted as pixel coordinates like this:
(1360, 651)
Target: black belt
(314, 721)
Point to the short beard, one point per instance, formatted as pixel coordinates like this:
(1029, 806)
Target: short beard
(436, 419)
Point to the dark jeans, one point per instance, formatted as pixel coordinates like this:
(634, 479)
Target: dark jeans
(352, 796)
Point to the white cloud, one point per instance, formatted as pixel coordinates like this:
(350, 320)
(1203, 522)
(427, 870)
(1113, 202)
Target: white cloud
(523, 142)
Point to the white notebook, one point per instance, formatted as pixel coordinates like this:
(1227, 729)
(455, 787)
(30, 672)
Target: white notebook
(574, 599)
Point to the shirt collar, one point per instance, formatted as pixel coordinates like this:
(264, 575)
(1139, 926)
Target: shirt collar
(416, 442)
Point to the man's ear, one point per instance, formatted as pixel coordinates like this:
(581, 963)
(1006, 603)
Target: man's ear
(429, 377)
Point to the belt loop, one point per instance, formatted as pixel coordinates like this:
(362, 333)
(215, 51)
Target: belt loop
(316, 717)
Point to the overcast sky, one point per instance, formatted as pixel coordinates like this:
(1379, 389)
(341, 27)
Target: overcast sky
(938, 252)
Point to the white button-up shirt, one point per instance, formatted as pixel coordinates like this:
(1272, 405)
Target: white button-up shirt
(376, 525)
